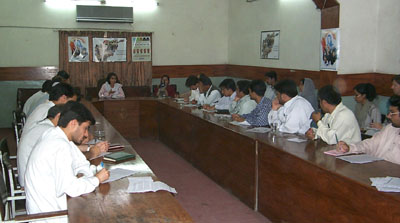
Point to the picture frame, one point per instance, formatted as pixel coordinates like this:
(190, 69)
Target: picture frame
(269, 44)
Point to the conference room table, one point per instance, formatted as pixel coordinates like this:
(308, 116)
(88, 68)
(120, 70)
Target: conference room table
(284, 180)
(111, 202)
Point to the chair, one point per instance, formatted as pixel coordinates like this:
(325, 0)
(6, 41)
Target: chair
(5, 211)
(10, 175)
(19, 119)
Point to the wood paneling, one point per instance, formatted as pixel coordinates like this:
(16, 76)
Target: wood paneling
(382, 82)
(330, 17)
(323, 4)
(27, 73)
(177, 71)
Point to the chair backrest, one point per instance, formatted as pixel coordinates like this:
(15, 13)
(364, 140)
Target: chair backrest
(17, 132)
(23, 94)
(137, 91)
(3, 195)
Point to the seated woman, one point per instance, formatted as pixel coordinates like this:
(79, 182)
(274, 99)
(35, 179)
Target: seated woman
(307, 91)
(366, 111)
(164, 89)
(111, 89)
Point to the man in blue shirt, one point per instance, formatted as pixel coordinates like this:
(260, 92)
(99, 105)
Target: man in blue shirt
(259, 116)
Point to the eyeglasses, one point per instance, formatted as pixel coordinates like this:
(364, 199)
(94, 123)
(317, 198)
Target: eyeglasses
(393, 113)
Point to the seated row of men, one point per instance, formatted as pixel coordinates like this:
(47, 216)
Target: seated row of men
(253, 102)
(52, 162)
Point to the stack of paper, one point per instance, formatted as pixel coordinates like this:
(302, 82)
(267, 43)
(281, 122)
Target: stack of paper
(245, 123)
(335, 152)
(386, 184)
(259, 130)
(362, 158)
(146, 184)
(118, 173)
(297, 140)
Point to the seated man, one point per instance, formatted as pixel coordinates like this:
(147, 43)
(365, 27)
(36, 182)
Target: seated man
(55, 162)
(228, 89)
(209, 94)
(192, 82)
(242, 104)
(338, 123)
(258, 117)
(59, 94)
(384, 144)
(270, 79)
(29, 139)
(37, 98)
(289, 111)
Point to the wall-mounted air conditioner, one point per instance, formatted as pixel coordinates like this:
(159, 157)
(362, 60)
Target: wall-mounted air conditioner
(86, 13)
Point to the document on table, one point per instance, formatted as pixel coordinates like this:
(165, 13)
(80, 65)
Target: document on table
(335, 152)
(245, 123)
(118, 173)
(259, 130)
(360, 159)
(190, 105)
(223, 115)
(296, 140)
(146, 184)
(386, 184)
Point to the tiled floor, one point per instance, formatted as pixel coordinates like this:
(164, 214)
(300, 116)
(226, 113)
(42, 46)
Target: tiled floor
(203, 199)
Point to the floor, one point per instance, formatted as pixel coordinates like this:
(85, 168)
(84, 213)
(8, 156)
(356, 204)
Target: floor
(203, 199)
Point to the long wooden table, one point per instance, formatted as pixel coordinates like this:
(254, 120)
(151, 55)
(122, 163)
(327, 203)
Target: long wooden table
(111, 203)
(285, 181)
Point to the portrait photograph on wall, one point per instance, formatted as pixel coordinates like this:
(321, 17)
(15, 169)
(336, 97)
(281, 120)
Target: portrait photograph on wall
(78, 49)
(109, 49)
(269, 44)
(330, 48)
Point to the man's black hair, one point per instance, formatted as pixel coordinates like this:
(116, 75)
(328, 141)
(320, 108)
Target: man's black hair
(228, 84)
(395, 101)
(191, 80)
(205, 80)
(46, 86)
(287, 87)
(75, 110)
(258, 87)
(244, 86)
(59, 90)
(330, 94)
(271, 74)
(53, 111)
(63, 74)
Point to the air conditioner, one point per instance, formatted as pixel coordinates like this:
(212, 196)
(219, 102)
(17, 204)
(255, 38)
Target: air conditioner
(90, 13)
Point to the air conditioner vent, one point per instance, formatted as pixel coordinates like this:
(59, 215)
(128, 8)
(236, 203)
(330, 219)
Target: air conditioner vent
(86, 13)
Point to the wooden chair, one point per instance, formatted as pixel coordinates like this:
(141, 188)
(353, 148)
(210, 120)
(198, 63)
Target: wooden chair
(10, 176)
(5, 210)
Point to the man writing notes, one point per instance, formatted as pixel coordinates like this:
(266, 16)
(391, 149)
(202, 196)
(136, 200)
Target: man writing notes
(338, 123)
(228, 89)
(55, 163)
(257, 117)
(242, 104)
(289, 111)
(59, 94)
(384, 144)
(209, 94)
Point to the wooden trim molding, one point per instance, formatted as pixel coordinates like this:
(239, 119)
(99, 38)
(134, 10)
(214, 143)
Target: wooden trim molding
(27, 73)
(382, 82)
(179, 71)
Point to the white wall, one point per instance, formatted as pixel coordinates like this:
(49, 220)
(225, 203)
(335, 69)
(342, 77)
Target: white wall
(388, 37)
(299, 23)
(185, 31)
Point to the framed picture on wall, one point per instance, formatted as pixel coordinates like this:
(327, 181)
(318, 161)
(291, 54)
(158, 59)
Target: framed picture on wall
(269, 44)
(330, 48)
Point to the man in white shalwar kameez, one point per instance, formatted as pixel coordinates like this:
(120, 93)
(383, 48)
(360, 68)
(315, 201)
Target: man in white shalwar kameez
(55, 162)
(59, 94)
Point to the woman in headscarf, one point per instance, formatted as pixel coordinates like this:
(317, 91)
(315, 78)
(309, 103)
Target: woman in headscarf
(366, 111)
(307, 91)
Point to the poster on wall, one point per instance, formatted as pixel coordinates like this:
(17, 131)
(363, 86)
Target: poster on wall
(330, 47)
(109, 49)
(141, 48)
(78, 49)
(269, 44)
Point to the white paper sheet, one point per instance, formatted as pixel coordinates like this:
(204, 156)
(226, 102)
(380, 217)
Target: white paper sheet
(259, 130)
(190, 105)
(386, 184)
(297, 140)
(146, 184)
(245, 123)
(102, 154)
(223, 115)
(362, 158)
(118, 173)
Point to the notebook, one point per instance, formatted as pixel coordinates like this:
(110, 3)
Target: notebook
(118, 157)
(116, 147)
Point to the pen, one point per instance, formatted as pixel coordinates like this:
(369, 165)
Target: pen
(337, 141)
